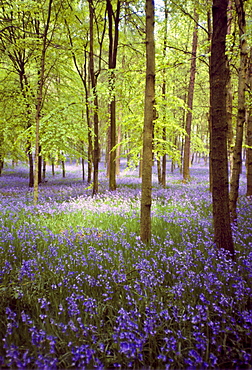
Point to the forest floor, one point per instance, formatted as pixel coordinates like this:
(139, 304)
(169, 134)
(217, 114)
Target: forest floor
(78, 289)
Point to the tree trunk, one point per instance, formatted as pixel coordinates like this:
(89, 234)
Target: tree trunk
(163, 165)
(237, 151)
(40, 160)
(219, 162)
(83, 74)
(118, 150)
(159, 171)
(44, 170)
(1, 164)
(53, 167)
(30, 160)
(249, 134)
(24, 88)
(93, 76)
(63, 169)
(186, 162)
(83, 168)
(108, 150)
(229, 94)
(39, 102)
(113, 44)
(145, 220)
(89, 124)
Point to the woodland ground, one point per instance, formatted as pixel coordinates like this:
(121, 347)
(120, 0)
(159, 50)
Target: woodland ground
(79, 289)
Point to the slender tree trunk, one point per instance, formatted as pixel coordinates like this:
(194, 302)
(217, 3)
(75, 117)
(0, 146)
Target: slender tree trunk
(63, 169)
(1, 166)
(89, 124)
(53, 167)
(163, 166)
(84, 76)
(163, 173)
(249, 133)
(108, 150)
(159, 171)
(149, 115)
(209, 29)
(40, 160)
(219, 162)
(30, 160)
(186, 162)
(83, 168)
(113, 44)
(96, 152)
(44, 170)
(241, 116)
(182, 139)
(118, 150)
(229, 95)
(1, 152)
(39, 103)
(24, 89)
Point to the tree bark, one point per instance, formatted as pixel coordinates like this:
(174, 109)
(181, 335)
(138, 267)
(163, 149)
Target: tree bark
(63, 169)
(89, 124)
(241, 116)
(145, 220)
(118, 150)
(163, 166)
(186, 161)
(40, 160)
(113, 45)
(39, 102)
(249, 133)
(229, 94)
(93, 77)
(219, 162)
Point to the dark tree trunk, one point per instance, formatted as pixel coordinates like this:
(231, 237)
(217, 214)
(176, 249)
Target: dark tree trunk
(44, 170)
(113, 45)
(53, 167)
(93, 76)
(149, 115)
(249, 134)
(40, 160)
(186, 162)
(241, 116)
(159, 171)
(31, 170)
(83, 169)
(229, 94)
(163, 163)
(1, 165)
(219, 162)
(63, 169)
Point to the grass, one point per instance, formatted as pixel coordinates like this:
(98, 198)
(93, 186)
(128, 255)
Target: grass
(79, 289)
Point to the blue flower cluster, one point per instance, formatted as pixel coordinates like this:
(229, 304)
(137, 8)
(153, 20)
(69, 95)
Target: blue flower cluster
(99, 298)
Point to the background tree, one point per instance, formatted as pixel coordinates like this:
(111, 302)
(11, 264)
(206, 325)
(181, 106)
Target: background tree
(113, 29)
(43, 41)
(149, 115)
(241, 115)
(186, 162)
(249, 130)
(16, 39)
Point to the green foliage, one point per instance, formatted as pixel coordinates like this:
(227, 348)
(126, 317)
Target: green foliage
(68, 37)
